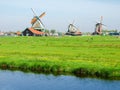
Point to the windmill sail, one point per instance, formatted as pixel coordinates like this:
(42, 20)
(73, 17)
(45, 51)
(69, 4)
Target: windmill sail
(42, 15)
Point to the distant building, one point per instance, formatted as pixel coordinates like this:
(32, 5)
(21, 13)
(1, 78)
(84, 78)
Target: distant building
(1, 33)
(18, 33)
(114, 34)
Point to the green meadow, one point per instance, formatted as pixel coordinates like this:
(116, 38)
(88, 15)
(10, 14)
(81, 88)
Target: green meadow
(95, 56)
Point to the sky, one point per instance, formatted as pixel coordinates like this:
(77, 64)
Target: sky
(16, 15)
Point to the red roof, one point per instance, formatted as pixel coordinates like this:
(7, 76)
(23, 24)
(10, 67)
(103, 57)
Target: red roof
(78, 33)
(18, 33)
(36, 31)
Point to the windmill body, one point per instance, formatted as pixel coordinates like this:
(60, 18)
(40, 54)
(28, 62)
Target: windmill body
(72, 30)
(98, 28)
(36, 21)
(36, 24)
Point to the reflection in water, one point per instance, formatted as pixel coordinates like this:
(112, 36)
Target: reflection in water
(29, 81)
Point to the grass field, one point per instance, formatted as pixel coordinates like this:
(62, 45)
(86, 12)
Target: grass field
(85, 55)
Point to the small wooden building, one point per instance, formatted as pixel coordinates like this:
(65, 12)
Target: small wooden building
(18, 33)
(32, 32)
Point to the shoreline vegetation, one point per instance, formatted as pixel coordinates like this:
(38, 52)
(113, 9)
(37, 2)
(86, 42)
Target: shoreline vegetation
(94, 56)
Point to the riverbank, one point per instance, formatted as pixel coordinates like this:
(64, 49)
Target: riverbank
(83, 56)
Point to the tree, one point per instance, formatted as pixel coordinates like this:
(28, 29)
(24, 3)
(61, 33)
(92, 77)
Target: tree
(53, 31)
(47, 31)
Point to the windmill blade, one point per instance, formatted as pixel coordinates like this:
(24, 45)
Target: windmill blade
(43, 14)
(101, 19)
(97, 22)
(104, 25)
(33, 20)
(73, 22)
(33, 12)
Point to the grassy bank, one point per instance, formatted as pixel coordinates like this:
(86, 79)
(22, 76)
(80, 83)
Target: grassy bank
(87, 55)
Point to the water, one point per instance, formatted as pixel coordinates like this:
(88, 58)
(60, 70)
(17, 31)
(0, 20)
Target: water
(29, 81)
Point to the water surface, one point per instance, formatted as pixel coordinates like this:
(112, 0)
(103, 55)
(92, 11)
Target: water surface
(29, 81)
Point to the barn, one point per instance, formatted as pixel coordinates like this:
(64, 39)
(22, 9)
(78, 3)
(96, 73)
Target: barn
(32, 32)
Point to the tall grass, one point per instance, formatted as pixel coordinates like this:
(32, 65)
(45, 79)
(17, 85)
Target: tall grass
(86, 55)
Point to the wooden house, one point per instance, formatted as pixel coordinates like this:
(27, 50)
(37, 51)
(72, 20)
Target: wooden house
(32, 32)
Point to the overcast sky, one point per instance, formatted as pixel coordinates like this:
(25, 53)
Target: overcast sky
(15, 15)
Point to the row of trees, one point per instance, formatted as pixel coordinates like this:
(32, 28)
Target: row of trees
(109, 31)
(52, 32)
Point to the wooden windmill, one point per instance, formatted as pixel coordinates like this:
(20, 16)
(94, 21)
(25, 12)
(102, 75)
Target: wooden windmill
(73, 30)
(37, 27)
(36, 21)
(98, 27)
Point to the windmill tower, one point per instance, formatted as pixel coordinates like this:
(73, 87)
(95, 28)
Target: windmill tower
(36, 21)
(98, 27)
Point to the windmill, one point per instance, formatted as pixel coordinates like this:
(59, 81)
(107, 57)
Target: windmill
(36, 21)
(98, 27)
(37, 27)
(73, 30)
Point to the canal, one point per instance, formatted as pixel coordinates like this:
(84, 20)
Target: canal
(17, 80)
